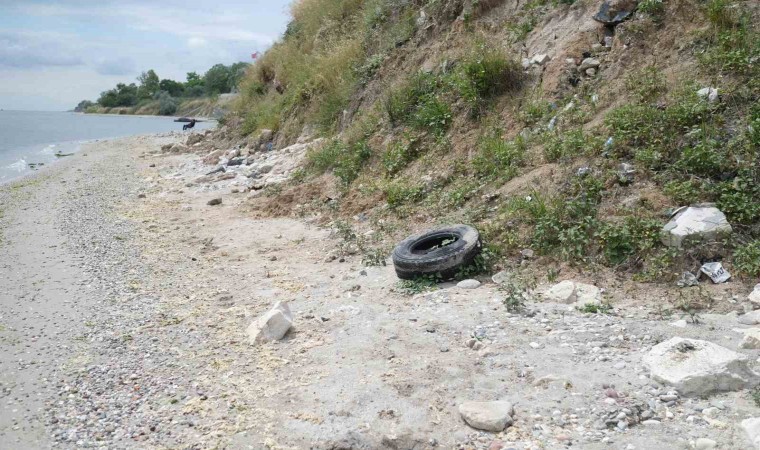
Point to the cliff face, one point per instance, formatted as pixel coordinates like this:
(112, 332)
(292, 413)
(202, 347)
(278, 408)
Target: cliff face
(565, 127)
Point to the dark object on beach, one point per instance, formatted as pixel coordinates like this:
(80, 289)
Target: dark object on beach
(439, 252)
(187, 119)
(61, 155)
(189, 125)
(215, 201)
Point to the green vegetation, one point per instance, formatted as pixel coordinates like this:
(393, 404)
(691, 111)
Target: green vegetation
(497, 157)
(417, 285)
(747, 259)
(153, 95)
(593, 308)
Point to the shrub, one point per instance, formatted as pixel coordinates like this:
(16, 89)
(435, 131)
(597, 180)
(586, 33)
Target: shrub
(747, 259)
(345, 160)
(398, 155)
(400, 193)
(647, 84)
(571, 144)
(418, 103)
(498, 157)
(166, 104)
(490, 73)
(740, 198)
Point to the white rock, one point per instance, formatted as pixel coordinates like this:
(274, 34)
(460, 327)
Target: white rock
(535, 345)
(589, 63)
(751, 318)
(272, 326)
(562, 292)
(540, 59)
(710, 93)
(751, 428)
(751, 339)
(468, 284)
(580, 294)
(697, 368)
(679, 323)
(754, 296)
(487, 416)
(705, 444)
(695, 224)
(501, 277)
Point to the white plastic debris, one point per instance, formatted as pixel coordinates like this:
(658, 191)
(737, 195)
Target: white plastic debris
(687, 279)
(717, 273)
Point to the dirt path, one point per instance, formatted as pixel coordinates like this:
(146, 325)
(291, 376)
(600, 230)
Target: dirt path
(126, 298)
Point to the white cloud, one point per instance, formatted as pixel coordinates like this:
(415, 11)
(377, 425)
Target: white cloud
(197, 42)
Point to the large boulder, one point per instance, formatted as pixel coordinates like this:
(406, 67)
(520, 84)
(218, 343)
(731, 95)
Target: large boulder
(487, 416)
(751, 428)
(272, 326)
(695, 225)
(698, 368)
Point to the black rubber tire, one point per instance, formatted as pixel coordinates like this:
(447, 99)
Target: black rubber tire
(412, 258)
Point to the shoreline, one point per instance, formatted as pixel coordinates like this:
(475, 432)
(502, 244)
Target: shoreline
(129, 295)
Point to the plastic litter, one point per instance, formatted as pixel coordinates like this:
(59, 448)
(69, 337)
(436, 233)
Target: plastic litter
(717, 273)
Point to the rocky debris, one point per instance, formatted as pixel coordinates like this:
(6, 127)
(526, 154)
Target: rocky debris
(237, 161)
(698, 368)
(272, 326)
(215, 201)
(213, 158)
(487, 416)
(540, 59)
(626, 173)
(580, 294)
(754, 296)
(589, 63)
(687, 279)
(694, 225)
(751, 428)
(217, 169)
(751, 339)
(176, 148)
(468, 284)
(276, 166)
(751, 318)
(194, 138)
(717, 273)
(612, 12)
(708, 93)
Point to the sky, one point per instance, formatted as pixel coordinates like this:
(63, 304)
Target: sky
(54, 54)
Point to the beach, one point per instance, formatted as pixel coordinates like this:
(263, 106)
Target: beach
(126, 299)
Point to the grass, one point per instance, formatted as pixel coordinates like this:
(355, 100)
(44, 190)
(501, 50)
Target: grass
(596, 308)
(498, 157)
(747, 259)
(345, 160)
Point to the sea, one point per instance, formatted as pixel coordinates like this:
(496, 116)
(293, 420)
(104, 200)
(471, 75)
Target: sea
(30, 140)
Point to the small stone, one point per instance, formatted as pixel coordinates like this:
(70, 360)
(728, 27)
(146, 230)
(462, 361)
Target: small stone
(708, 93)
(214, 201)
(590, 72)
(751, 339)
(620, 365)
(679, 323)
(487, 416)
(589, 63)
(540, 59)
(754, 296)
(501, 277)
(468, 284)
(536, 345)
(272, 326)
(651, 422)
(527, 253)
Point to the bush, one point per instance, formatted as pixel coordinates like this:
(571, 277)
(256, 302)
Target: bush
(345, 160)
(398, 155)
(166, 104)
(490, 73)
(401, 192)
(739, 199)
(747, 259)
(571, 144)
(498, 157)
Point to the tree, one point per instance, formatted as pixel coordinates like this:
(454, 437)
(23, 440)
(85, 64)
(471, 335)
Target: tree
(237, 71)
(166, 104)
(149, 84)
(122, 95)
(174, 88)
(217, 80)
(193, 79)
(83, 105)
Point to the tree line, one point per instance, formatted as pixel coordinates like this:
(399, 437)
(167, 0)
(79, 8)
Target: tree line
(219, 79)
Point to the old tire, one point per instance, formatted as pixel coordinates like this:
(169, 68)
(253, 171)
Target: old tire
(439, 252)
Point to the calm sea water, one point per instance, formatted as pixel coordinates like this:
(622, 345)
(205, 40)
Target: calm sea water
(30, 139)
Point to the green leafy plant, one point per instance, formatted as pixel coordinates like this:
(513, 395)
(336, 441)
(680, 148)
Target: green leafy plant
(418, 285)
(747, 258)
(596, 308)
(497, 157)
